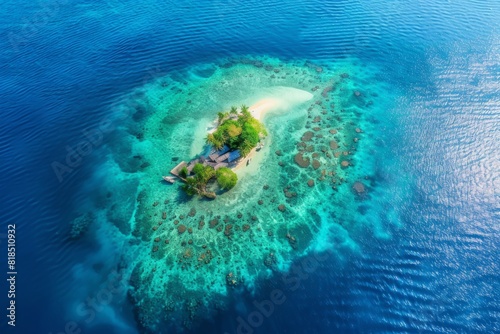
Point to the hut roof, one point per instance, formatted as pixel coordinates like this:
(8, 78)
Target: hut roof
(224, 150)
(209, 163)
(223, 157)
(234, 155)
(214, 155)
(220, 165)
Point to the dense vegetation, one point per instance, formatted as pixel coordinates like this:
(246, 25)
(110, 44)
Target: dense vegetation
(237, 130)
(197, 184)
(226, 178)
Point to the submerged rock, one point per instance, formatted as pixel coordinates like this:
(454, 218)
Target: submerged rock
(292, 240)
(231, 279)
(310, 183)
(181, 229)
(307, 136)
(359, 187)
(213, 223)
(301, 161)
(316, 164)
(326, 91)
(80, 225)
(270, 260)
(227, 230)
(281, 207)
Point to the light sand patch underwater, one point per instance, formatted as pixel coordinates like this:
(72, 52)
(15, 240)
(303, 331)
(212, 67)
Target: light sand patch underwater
(302, 192)
(278, 100)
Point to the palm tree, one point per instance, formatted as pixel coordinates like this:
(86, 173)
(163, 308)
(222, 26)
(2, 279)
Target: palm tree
(245, 112)
(210, 139)
(220, 117)
(233, 111)
(219, 140)
(215, 140)
(246, 147)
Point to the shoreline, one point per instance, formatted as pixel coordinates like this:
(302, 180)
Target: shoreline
(279, 99)
(258, 111)
(266, 105)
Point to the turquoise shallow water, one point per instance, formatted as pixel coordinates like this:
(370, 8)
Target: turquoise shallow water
(415, 252)
(242, 237)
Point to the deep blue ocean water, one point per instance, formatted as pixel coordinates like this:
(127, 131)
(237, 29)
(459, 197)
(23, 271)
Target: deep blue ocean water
(64, 62)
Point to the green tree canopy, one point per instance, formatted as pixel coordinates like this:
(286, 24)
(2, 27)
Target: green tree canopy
(191, 186)
(184, 172)
(241, 134)
(197, 184)
(226, 178)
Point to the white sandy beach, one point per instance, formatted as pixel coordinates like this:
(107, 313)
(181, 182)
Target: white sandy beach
(278, 100)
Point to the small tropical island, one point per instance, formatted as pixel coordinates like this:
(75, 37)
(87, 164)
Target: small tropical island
(237, 134)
